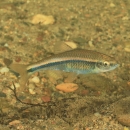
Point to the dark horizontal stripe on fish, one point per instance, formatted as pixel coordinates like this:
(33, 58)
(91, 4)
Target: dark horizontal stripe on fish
(53, 64)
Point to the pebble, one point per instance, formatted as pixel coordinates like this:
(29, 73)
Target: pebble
(124, 119)
(125, 18)
(17, 58)
(46, 98)
(6, 45)
(90, 44)
(127, 49)
(42, 19)
(4, 70)
(15, 122)
(67, 87)
(71, 44)
(44, 80)
(125, 128)
(97, 114)
(17, 85)
(31, 91)
(35, 79)
(126, 46)
(128, 83)
(112, 5)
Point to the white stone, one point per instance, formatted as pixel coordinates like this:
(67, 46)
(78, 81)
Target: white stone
(4, 70)
(31, 91)
(43, 19)
(97, 114)
(35, 79)
(6, 45)
(90, 44)
(17, 85)
(71, 44)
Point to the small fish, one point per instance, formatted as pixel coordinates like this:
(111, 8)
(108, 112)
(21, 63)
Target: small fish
(80, 61)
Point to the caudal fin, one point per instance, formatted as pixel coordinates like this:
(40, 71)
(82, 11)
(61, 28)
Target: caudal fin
(18, 68)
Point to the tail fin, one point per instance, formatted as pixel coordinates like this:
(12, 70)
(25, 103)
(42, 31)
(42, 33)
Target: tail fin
(18, 68)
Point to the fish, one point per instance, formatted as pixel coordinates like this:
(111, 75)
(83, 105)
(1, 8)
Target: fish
(79, 61)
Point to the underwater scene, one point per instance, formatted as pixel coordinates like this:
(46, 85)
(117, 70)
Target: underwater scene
(65, 65)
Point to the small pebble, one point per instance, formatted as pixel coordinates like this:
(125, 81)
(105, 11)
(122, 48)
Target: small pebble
(31, 91)
(124, 119)
(31, 88)
(127, 49)
(17, 59)
(17, 85)
(46, 98)
(126, 128)
(44, 80)
(6, 45)
(14, 122)
(125, 18)
(42, 19)
(112, 5)
(35, 79)
(97, 114)
(90, 44)
(4, 70)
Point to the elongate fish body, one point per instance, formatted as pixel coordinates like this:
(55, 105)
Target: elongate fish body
(80, 61)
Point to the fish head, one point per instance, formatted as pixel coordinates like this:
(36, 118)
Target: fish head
(106, 65)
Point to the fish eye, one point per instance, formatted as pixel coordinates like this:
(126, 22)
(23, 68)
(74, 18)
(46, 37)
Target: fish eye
(106, 63)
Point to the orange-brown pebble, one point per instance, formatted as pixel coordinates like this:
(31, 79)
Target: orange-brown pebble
(44, 80)
(17, 59)
(46, 98)
(128, 83)
(67, 87)
(84, 92)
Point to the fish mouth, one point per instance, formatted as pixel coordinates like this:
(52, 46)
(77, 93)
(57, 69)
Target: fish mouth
(114, 67)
